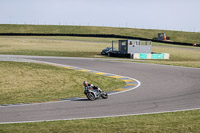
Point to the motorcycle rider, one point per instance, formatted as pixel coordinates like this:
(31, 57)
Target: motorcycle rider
(91, 86)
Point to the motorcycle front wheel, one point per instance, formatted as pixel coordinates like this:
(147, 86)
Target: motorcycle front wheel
(104, 95)
(91, 96)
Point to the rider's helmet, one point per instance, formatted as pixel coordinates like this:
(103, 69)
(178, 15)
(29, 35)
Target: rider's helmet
(85, 83)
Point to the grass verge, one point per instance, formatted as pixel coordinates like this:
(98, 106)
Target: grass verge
(30, 82)
(177, 122)
(53, 46)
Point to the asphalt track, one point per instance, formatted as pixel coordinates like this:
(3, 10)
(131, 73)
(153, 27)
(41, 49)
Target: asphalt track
(163, 89)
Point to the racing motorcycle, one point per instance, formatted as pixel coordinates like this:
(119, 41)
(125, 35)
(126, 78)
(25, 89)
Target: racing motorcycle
(94, 93)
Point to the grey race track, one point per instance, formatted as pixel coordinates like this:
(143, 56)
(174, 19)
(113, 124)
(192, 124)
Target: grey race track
(163, 89)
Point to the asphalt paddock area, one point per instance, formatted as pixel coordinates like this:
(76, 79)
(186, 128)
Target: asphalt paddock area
(163, 89)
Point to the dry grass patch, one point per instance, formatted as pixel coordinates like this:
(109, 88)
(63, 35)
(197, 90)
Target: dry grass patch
(51, 46)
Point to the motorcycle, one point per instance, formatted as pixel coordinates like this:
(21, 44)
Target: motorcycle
(94, 93)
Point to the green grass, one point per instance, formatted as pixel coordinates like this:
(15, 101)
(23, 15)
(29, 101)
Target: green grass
(65, 38)
(175, 46)
(30, 82)
(178, 36)
(178, 122)
(52, 46)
